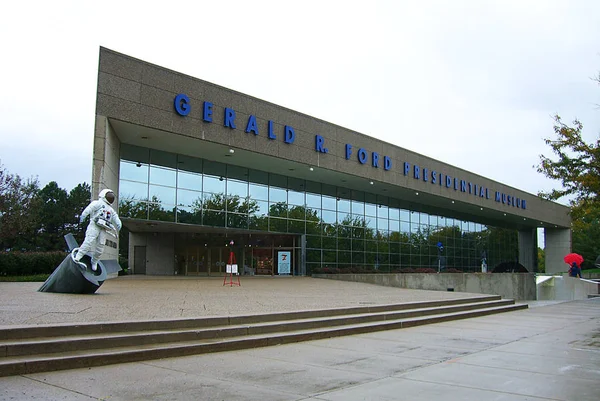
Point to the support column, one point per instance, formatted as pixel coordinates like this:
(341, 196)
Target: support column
(558, 244)
(528, 249)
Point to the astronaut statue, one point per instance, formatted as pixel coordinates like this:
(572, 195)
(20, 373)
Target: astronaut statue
(103, 220)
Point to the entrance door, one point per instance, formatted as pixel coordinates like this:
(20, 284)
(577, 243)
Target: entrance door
(139, 259)
(217, 262)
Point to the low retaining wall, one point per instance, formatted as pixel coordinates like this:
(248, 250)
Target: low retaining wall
(517, 286)
(565, 288)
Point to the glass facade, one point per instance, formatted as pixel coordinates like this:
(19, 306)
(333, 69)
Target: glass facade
(346, 230)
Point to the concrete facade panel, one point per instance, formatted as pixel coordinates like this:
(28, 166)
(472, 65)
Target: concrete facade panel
(118, 108)
(557, 245)
(155, 118)
(158, 99)
(193, 88)
(116, 86)
(120, 65)
(158, 77)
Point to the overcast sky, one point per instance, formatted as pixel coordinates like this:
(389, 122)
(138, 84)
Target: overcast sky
(470, 83)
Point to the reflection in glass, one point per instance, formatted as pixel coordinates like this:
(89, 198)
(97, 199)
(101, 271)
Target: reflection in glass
(277, 194)
(160, 194)
(133, 171)
(214, 184)
(163, 176)
(258, 191)
(188, 198)
(189, 180)
(238, 188)
(133, 190)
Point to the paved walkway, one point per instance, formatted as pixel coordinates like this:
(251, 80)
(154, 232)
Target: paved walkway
(153, 297)
(548, 352)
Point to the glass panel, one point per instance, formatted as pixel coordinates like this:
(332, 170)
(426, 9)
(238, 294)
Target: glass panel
(189, 164)
(343, 205)
(296, 226)
(344, 218)
(160, 194)
(189, 180)
(164, 213)
(278, 209)
(394, 214)
(163, 159)
(329, 202)
(258, 177)
(358, 207)
(132, 208)
(259, 192)
(404, 215)
(313, 201)
(188, 198)
(277, 194)
(238, 188)
(279, 225)
(235, 220)
(213, 218)
(382, 224)
(370, 209)
(237, 173)
(214, 168)
(189, 215)
(133, 190)
(405, 227)
(214, 202)
(295, 198)
(329, 217)
(135, 153)
(163, 176)
(394, 225)
(297, 212)
(261, 208)
(214, 184)
(133, 171)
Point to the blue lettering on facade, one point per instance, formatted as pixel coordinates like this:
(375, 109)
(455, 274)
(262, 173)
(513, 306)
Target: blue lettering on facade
(182, 104)
(362, 156)
(183, 107)
(319, 144)
(387, 163)
(207, 112)
(270, 130)
(251, 126)
(375, 159)
(229, 118)
(290, 134)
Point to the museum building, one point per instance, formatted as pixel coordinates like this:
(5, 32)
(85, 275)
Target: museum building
(207, 176)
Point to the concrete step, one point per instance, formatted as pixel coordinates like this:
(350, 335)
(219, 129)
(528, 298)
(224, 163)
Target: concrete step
(72, 351)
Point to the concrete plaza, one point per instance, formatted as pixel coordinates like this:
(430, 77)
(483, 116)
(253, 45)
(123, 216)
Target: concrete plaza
(548, 352)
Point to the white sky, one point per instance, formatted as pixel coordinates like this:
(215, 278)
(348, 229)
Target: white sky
(471, 83)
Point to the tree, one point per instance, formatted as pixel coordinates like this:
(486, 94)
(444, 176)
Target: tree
(577, 167)
(578, 170)
(78, 199)
(18, 217)
(53, 217)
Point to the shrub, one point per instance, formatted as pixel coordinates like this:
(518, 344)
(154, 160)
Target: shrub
(29, 263)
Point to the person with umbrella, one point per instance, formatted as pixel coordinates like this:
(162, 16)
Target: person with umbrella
(574, 260)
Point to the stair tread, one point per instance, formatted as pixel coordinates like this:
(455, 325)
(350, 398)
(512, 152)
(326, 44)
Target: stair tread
(10, 360)
(232, 327)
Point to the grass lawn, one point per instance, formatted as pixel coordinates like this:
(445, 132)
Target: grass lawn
(23, 279)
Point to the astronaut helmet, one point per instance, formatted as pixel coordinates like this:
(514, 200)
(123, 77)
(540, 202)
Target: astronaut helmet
(107, 195)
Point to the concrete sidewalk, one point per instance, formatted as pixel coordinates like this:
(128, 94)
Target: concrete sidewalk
(154, 297)
(548, 352)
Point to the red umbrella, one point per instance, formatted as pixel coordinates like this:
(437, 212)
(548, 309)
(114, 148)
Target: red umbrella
(573, 257)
